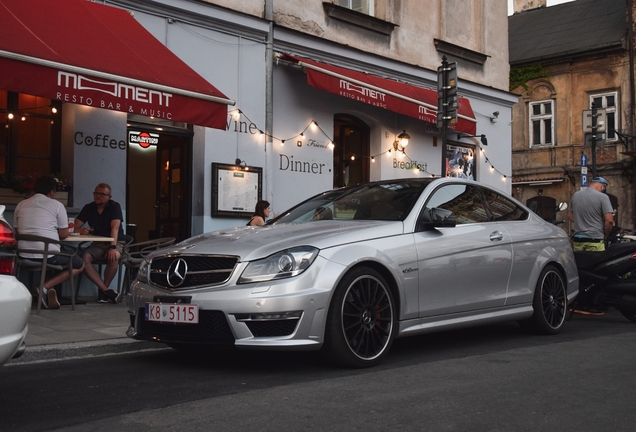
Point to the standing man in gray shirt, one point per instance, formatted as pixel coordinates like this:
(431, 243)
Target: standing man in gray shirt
(591, 211)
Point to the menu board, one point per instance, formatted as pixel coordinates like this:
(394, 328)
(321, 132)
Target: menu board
(235, 189)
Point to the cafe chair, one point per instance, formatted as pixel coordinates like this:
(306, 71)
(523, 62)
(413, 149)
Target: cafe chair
(102, 262)
(135, 254)
(32, 266)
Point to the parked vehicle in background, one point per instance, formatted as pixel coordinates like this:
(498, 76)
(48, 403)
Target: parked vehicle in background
(15, 298)
(607, 280)
(350, 269)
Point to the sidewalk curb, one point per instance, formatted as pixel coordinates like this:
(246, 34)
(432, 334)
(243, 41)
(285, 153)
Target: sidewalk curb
(80, 350)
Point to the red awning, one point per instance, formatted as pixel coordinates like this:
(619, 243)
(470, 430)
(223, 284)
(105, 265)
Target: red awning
(87, 53)
(395, 96)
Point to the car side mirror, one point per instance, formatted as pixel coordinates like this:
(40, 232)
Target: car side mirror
(437, 218)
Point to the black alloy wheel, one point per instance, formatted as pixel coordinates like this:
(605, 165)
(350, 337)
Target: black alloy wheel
(361, 322)
(550, 302)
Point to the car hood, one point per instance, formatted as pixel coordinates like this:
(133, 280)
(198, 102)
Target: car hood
(250, 243)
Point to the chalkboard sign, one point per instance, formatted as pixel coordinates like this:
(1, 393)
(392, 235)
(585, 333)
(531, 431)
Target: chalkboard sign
(235, 189)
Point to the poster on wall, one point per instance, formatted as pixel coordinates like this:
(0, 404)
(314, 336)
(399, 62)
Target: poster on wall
(235, 190)
(460, 161)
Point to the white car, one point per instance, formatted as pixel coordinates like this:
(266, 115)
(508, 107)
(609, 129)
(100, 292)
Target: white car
(349, 270)
(15, 298)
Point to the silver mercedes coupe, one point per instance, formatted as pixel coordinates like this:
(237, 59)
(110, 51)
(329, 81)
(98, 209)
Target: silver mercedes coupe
(347, 271)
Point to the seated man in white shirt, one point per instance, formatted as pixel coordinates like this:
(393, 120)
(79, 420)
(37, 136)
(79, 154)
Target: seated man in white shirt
(43, 216)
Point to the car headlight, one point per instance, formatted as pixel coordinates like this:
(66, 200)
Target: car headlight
(143, 272)
(283, 264)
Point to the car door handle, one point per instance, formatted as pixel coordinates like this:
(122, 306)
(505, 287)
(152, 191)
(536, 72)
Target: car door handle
(496, 236)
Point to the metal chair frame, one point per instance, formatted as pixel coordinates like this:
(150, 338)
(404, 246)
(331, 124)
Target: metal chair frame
(135, 253)
(32, 266)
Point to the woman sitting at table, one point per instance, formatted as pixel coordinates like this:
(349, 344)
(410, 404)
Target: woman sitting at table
(104, 217)
(43, 216)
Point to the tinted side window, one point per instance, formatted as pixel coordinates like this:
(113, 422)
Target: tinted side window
(463, 200)
(501, 208)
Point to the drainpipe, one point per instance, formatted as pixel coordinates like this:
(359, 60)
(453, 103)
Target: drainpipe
(268, 194)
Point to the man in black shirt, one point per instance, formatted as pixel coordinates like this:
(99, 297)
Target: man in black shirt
(103, 217)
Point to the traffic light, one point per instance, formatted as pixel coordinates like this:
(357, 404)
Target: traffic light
(447, 100)
(451, 93)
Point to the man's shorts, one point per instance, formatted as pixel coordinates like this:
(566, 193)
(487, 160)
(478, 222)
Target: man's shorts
(98, 249)
(591, 246)
(63, 260)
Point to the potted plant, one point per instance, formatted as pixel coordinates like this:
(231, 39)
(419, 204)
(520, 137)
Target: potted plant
(14, 189)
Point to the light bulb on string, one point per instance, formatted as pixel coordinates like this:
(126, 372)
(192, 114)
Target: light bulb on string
(353, 157)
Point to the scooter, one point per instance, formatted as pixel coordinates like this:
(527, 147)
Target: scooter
(607, 280)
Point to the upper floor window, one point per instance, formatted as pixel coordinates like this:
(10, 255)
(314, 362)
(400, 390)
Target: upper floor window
(608, 102)
(541, 122)
(363, 6)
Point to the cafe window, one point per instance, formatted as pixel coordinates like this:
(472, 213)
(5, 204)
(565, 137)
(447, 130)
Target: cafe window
(31, 136)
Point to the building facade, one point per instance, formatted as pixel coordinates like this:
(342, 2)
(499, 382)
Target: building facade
(564, 59)
(290, 132)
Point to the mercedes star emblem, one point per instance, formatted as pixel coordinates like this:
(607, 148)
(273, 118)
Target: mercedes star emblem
(177, 272)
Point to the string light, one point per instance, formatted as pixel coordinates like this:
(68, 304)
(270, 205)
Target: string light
(237, 113)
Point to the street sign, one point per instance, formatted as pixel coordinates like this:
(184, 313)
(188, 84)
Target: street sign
(583, 159)
(600, 139)
(584, 180)
(601, 120)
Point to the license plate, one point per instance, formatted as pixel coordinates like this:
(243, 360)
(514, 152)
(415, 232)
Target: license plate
(181, 313)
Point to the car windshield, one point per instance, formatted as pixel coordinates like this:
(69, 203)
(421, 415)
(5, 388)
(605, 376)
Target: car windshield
(373, 201)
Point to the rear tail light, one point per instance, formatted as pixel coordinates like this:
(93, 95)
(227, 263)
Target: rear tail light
(7, 249)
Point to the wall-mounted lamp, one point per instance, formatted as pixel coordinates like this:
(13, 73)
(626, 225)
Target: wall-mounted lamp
(404, 138)
(494, 117)
(241, 164)
(481, 137)
(401, 141)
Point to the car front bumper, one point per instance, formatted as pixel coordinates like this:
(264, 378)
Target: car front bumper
(286, 313)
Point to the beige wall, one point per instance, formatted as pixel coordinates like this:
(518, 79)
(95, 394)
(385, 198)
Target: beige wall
(477, 25)
(569, 84)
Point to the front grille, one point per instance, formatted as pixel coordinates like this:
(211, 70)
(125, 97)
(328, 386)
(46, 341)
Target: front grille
(212, 328)
(194, 271)
(272, 328)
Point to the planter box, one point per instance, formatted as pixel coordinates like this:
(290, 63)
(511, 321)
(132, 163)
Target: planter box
(11, 197)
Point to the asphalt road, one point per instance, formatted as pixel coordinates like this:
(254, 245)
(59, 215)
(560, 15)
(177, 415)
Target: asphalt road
(494, 378)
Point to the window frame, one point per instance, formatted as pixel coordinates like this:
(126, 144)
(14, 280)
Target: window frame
(611, 110)
(370, 6)
(541, 117)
